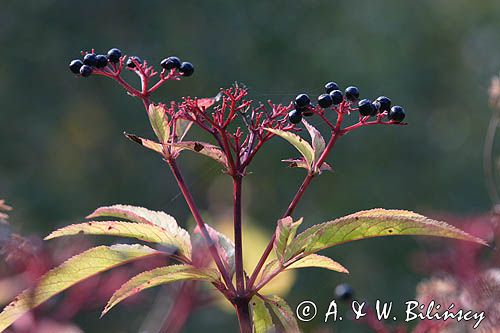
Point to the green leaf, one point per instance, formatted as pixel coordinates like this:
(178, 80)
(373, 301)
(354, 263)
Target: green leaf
(182, 126)
(154, 146)
(315, 260)
(372, 223)
(301, 163)
(300, 144)
(72, 271)
(284, 313)
(224, 245)
(159, 276)
(178, 236)
(285, 232)
(141, 231)
(159, 122)
(202, 148)
(318, 143)
(262, 320)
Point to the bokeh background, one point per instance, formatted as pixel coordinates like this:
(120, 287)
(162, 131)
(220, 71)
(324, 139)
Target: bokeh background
(62, 151)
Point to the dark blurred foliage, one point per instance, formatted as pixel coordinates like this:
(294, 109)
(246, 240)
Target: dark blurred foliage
(63, 153)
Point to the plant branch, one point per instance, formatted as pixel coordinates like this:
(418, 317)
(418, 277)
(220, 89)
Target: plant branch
(240, 278)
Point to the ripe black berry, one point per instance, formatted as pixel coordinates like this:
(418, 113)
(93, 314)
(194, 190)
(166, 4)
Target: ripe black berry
(352, 93)
(385, 103)
(186, 69)
(170, 63)
(74, 66)
(89, 59)
(397, 114)
(131, 64)
(366, 108)
(337, 97)
(101, 61)
(325, 101)
(302, 100)
(85, 70)
(331, 86)
(114, 55)
(295, 116)
(344, 291)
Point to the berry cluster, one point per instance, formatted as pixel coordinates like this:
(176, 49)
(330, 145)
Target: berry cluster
(333, 98)
(92, 61)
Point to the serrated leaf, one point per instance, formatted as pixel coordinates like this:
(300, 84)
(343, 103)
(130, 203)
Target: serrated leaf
(225, 247)
(141, 231)
(159, 276)
(285, 231)
(154, 146)
(284, 313)
(72, 271)
(318, 143)
(372, 223)
(157, 218)
(159, 122)
(261, 318)
(300, 144)
(202, 148)
(301, 163)
(315, 260)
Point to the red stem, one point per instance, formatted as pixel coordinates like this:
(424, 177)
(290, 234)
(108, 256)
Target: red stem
(240, 277)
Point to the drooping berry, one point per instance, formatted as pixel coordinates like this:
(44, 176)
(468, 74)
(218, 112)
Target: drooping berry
(75, 65)
(130, 62)
(85, 70)
(114, 55)
(295, 116)
(337, 97)
(385, 103)
(344, 292)
(352, 93)
(171, 63)
(366, 108)
(186, 69)
(331, 86)
(397, 114)
(89, 59)
(325, 101)
(302, 100)
(101, 61)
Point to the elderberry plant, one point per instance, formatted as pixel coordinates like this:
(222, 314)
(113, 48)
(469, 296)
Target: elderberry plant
(239, 128)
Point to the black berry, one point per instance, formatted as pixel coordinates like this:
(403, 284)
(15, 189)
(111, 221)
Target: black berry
(325, 101)
(295, 116)
(384, 102)
(171, 63)
(85, 70)
(337, 97)
(186, 69)
(302, 100)
(130, 62)
(89, 59)
(114, 55)
(352, 93)
(331, 86)
(307, 111)
(75, 65)
(101, 61)
(366, 108)
(397, 114)
(344, 292)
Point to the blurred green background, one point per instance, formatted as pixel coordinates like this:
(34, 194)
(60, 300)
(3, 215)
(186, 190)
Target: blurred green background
(63, 153)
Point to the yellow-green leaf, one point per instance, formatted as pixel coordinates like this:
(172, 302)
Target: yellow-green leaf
(72, 271)
(141, 231)
(284, 313)
(159, 276)
(301, 163)
(154, 146)
(224, 245)
(262, 320)
(176, 234)
(203, 148)
(372, 223)
(318, 143)
(300, 144)
(285, 232)
(315, 260)
(182, 126)
(159, 122)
